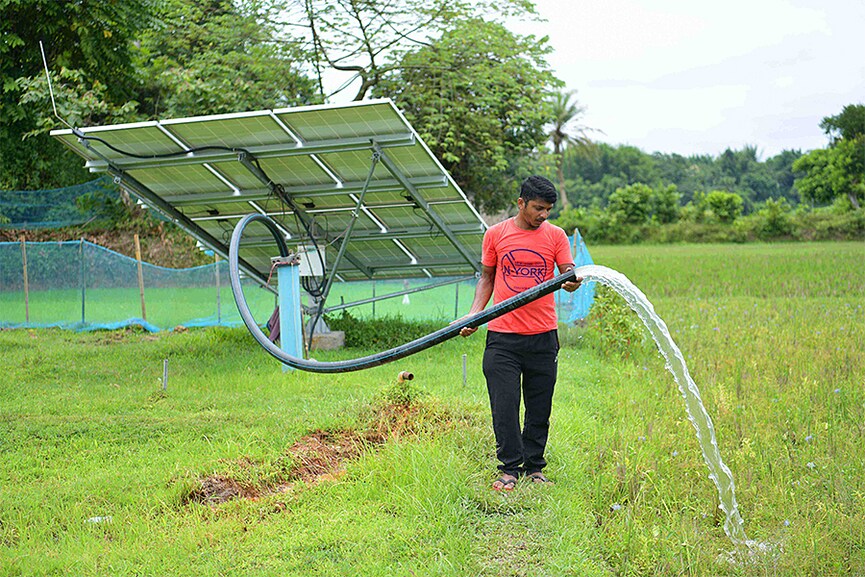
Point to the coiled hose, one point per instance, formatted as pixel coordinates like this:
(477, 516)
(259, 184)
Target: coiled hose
(377, 359)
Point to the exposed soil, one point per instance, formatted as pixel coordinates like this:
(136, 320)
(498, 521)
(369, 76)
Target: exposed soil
(314, 457)
(321, 455)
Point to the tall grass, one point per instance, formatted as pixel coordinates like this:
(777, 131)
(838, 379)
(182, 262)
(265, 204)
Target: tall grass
(98, 462)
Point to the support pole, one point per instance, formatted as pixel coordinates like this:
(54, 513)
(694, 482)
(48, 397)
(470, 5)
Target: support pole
(26, 281)
(218, 293)
(140, 277)
(290, 322)
(82, 279)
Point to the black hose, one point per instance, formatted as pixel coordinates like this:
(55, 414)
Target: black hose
(377, 359)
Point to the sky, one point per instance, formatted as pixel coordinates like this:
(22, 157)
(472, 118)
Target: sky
(698, 76)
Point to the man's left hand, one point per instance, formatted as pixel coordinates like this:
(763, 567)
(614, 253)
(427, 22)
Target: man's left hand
(572, 285)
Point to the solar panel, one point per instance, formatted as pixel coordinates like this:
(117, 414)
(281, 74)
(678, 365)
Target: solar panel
(311, 167)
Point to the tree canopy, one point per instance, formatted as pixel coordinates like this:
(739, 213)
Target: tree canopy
(128, 61)
(90, 36)
(839, 170)
(478, 96)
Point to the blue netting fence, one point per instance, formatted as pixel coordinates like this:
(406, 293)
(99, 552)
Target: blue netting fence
(58, 207)
(82, 286)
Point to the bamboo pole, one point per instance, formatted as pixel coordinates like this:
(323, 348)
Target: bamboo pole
(140, 277)
(26, 281)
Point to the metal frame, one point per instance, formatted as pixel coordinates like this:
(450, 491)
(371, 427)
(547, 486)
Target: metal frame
(315, 152)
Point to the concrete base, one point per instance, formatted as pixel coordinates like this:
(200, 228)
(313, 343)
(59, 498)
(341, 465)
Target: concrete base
(328, 341)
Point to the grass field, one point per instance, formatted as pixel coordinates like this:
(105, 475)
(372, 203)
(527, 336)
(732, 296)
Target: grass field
(105, 473)
(204, 306)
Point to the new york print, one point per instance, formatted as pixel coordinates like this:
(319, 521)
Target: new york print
(522, 269)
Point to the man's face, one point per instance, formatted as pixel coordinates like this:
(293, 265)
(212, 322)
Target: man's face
(534, 212)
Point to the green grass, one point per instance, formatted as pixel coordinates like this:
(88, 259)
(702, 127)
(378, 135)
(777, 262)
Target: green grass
(168, 307)
(772, 334)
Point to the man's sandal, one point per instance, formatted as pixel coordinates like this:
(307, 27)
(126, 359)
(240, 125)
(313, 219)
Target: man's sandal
(504, 484)
(538, 477)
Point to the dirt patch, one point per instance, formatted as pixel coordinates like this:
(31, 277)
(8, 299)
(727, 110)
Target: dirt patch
(321, 455)
(316, 457)
(121, 335)
(219, 489)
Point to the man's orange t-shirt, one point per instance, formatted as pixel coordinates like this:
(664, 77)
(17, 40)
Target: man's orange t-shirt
(523, 259)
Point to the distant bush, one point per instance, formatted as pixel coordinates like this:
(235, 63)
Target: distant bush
(715, 218)
(379, 333)
(613, 327)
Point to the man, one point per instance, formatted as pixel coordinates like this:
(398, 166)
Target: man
(522, 346)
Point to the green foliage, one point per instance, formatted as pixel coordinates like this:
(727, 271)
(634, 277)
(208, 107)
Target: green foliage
(80, 100)
(402, 393)
(775, 220)
(379, 333)
(725, 207)
(218, 57)
(848, 125)
(90, 37)
(840, 169)
(835, 171)
(478, 97)
(176, 57)
(614, 327)
(366, 41)
(630, 204)
(664, 204)
(565, 133)
(595, 176)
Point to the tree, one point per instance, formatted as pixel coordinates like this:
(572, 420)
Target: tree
(631, 203)
(366, 39)
(478, 98)
(564, 133)
(218, 56)
(832, 172)
(184, 58)
(664, 204)
(724, 206)
(91, 36)
(849, 124)
(840, 169)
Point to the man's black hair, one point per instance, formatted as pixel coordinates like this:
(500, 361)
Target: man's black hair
(538, 187)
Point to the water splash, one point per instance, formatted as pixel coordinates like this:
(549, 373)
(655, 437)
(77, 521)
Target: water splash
(719, 473)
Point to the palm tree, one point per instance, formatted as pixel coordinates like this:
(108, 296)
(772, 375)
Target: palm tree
(564, 133)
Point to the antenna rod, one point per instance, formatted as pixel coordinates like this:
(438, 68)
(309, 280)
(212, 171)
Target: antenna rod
(50, 88)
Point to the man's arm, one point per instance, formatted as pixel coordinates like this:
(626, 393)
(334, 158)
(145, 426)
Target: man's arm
(483, 292)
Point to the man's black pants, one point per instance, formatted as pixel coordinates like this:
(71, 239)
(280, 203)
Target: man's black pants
(512, 360)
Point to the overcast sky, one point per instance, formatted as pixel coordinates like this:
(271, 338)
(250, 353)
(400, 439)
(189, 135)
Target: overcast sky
(696, 76)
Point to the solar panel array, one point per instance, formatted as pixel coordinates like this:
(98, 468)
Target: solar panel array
(306, 168)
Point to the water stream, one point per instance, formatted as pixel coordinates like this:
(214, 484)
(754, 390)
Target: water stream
(719, 473)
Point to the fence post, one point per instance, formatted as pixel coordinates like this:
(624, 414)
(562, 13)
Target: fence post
(26, 281)
(218, 294)
(140, 277)
(81, 277)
